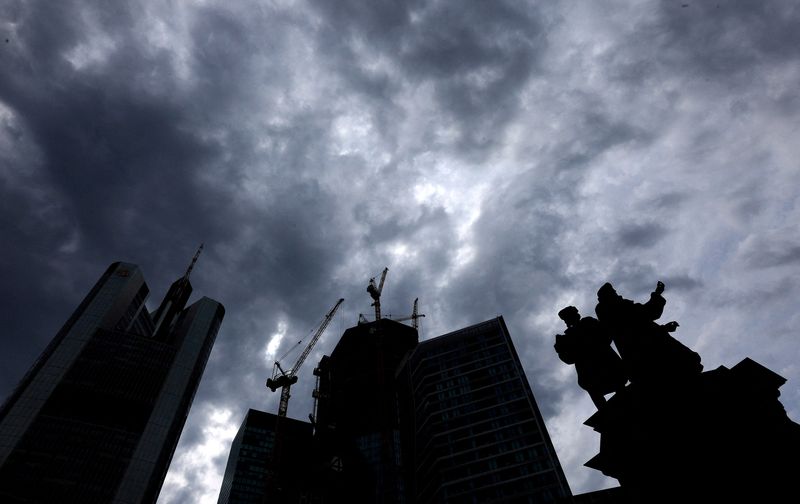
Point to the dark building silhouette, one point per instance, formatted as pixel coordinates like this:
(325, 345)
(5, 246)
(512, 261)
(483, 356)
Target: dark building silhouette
(97, 417)
(614, 495)
(256, 472)
(472, 429)
(357, 424)
(451, 419)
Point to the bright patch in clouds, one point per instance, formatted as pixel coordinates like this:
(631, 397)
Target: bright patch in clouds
(354, 134)
(275, 342)
(93, 51)
(196, 466)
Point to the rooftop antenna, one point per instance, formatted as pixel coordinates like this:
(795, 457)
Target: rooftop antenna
(194, 260)
(174, 301)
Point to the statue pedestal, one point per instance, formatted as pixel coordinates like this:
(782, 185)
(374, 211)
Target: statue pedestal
(718, 435)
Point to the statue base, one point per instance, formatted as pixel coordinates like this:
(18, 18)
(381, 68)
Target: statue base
(714, 436)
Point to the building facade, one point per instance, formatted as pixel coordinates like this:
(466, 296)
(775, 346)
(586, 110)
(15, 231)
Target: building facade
(356, 418)
(472, 431)
(260, 470)
(447, 420)
(98, 415)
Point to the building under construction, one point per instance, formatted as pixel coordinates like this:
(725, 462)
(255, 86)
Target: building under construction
(396, 420)
(357, 419)
(451, 419)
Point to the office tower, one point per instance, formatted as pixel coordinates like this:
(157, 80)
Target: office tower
(451, 419)
(357, 424)
(260, 470)
(98, 415)
(472, 431)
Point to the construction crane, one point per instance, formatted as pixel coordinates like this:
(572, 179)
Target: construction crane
(414, 317)
(285, 379)
(375, 292)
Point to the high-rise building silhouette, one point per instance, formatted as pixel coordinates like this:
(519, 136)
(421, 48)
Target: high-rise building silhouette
(451, 419)
(253, 474)
(357, 422)
(472, 431)
(98, 415)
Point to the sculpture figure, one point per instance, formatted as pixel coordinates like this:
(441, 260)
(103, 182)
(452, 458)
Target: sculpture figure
(648, 352)
(586, 344)
(675, 433)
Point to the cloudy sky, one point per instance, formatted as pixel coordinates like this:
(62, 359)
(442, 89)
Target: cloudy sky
(499, 157)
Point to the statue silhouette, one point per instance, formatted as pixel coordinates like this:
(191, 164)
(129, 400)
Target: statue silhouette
(647, 350)
(675, 433)
(586, 344)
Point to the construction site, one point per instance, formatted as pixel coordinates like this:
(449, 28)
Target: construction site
(396, 420)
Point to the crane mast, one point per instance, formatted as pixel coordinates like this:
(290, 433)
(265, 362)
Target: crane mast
(375, 292)
(283, 379)
(415, 316)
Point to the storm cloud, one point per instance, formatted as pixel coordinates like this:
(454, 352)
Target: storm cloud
(504, 157)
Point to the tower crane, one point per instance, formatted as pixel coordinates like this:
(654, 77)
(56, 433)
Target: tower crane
(414, 317)
(285, 379)
(375, 292)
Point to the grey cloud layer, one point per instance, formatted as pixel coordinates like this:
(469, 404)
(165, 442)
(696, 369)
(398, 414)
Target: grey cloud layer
(500, 157)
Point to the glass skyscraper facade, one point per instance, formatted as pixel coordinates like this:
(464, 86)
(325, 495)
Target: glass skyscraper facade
(472, 430)
(98, 415)
(259, 470)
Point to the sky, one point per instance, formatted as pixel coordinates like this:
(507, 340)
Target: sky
(500, 158)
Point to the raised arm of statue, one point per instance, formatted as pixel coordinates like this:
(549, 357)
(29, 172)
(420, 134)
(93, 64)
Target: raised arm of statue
(654, 307)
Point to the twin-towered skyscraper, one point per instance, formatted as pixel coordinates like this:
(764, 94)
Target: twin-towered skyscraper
(97, 417)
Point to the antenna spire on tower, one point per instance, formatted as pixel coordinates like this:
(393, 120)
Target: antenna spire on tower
(194, 260)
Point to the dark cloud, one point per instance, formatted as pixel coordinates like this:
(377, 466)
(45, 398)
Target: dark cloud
(781, 249)
(730, 37)
(499, 157)
(594, 131)
(477, 59)
(669, 200)
(643, 235)
(682, 282)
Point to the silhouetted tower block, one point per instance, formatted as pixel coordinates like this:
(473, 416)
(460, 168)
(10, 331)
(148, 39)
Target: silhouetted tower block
(357, 419)
(472, 431)
(253, 476)
(98, 416)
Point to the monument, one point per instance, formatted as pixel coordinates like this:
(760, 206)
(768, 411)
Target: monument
(672, 432)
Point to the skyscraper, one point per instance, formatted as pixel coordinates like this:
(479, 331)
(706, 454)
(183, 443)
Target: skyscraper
(357, 423)
(98, 415)
(472, 431)
(256, 473)
(451, 419)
